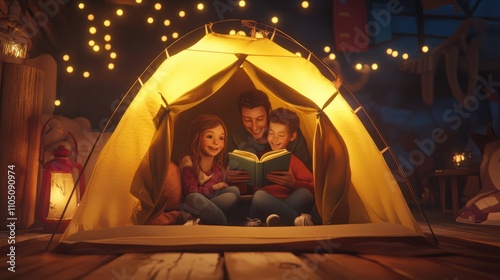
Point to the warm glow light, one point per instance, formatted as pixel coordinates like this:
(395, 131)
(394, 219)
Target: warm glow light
(81, 6)
(332, 56)
(405, 56)
(359, 66)
(150, 20)
(259, 35)
(164, 38)
(274, 20)
(166, 22)
(91, 43)
(107, 37)
(92, 30)
(200, 6)
(119, 12)
(395, 53)
(425, 49)
(96, 48)
(69, 69)
(298, 54)
(242, 3)
(66, 57)
(138, 1)
(86, 74)
(90, 17)
(112, 55)
(326, 49)
(157, 6)
(388, 51)
(57, 102)
(374, 66)
(241, 33)
(107, 47)
(107, 23)
(175, 35)
(305, 4)
(182, 14)
(232, 32)
(111, 66)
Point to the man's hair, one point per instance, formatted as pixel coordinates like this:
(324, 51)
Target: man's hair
(285, 117)
(254, 98)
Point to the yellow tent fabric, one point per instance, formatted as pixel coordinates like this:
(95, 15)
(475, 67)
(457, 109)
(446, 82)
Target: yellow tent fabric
(352, 180)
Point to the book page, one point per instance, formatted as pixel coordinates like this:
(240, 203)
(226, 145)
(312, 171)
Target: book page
(245, 154)
(273, 154)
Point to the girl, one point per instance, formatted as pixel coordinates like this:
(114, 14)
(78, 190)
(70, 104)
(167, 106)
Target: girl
(207, 195)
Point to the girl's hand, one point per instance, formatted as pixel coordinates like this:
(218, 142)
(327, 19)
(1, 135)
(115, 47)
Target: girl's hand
(284, 178)
(219, 185)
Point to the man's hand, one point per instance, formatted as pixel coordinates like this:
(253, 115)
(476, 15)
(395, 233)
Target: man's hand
(284, 178)
(237, 176)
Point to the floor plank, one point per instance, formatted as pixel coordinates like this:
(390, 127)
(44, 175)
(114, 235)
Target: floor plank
(342, 266)
(56, 266)
(268, 265)
(162, 266)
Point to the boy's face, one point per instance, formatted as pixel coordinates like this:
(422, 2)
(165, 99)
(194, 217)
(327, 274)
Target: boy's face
(255, 121)
(279, 136)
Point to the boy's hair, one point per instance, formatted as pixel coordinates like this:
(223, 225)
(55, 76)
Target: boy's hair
(197, 127)
(285, 117)
(254, 98)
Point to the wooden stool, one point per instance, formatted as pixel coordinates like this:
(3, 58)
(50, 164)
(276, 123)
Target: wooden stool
(451, 175)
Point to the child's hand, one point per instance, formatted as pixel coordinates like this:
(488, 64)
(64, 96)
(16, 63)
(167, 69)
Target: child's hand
(284, 178)
(219, 185)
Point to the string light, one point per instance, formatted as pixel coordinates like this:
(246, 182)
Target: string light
(326, 49)
(57, 102)
(112, 55)
(157, 6)
(91, 43)
(374, 66)
(107, 23)
(182, 14)
(96, 48)
(359, 66)
(150, 20)
(166, 22)
(66, 57)
(92, 30)
(90, 17)
(388, 51)
(175, 35)
(232, 32)
(298, 54)
(305, 4)
(425, 49)
(119, 12)
(395, 53)
(332, 56)
(274, 20)
(200, 6)
(107, 47)
(81, 6)
(242, 3)
(111, 66)
(86, 74)
(138, 1)
(69, 69)
(405, 56)
(107, 37)
(164, 38)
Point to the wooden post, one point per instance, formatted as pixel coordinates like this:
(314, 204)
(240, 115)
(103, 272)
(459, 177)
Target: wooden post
(21, 97)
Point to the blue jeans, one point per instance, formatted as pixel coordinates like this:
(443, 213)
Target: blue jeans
(264, 204)
(212, 211)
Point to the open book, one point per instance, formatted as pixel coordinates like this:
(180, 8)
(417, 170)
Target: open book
(278, 160)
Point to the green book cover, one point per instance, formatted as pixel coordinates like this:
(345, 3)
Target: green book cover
(278, 160)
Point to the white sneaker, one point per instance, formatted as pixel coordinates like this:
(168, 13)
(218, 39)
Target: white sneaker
(192, 222)
(253, 222)
(303, 220)
(274, 220)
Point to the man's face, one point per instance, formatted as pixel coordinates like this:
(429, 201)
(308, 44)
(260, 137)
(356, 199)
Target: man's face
(255, 121)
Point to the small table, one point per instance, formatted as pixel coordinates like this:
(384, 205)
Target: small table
(452, 176)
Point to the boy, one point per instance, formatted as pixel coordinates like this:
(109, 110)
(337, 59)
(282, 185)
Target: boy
(293, 191)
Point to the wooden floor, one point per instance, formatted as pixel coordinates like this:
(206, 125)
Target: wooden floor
(464, 252)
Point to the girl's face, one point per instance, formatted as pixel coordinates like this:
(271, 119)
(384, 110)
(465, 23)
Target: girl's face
(212, 141)
(279, 136)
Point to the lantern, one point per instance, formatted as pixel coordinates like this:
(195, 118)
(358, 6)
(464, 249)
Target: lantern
(14, 40)
(58, 180)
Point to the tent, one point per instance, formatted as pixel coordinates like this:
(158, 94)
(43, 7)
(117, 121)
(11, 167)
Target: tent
(357, 195)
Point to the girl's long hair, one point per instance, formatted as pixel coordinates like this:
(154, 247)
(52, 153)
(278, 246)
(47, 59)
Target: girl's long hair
(199, 125)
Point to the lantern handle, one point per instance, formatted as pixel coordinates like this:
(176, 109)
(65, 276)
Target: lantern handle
(41, 158)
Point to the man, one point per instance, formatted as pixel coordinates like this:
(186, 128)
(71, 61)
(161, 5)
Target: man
(254, 107)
